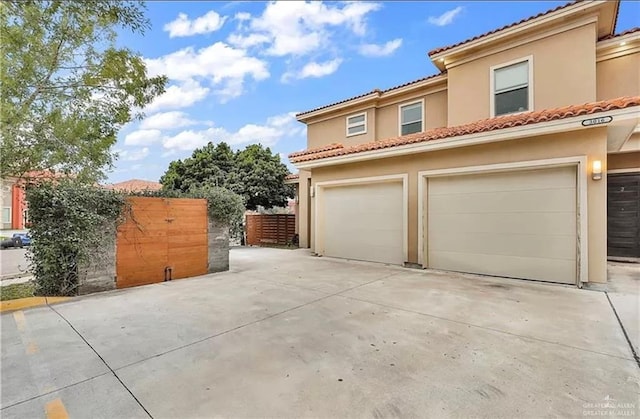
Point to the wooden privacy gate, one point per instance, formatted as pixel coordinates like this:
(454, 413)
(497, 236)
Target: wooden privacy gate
(162, 239)
(270, 229)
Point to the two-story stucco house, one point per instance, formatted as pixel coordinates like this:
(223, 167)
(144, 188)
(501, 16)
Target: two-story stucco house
(519, 159)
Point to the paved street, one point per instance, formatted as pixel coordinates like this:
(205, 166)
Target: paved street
(285, 334)
(13, 261)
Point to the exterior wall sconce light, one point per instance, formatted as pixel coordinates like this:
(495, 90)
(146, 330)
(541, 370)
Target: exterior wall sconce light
(596, 170)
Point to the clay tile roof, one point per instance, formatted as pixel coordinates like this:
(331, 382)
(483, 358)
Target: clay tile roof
(339, 102)
(439, 50)
(292, 176)
(627, 32)
(135, 185)
(44, 174)
(378, 91)
(491, 124)
(329, 147)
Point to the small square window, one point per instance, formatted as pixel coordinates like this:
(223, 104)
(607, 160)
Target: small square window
(511, 90)
(357, 124)
(411, 118)
(6, 215)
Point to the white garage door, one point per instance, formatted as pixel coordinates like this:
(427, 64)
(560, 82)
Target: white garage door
(515, 224)
(364, 222)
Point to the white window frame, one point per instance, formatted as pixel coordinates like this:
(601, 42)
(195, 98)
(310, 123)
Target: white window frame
(402, 105)
(492, 88)
(349, 125)
(10, 215)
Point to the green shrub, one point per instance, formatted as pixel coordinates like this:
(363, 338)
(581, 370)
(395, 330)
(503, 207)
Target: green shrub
(68, 224)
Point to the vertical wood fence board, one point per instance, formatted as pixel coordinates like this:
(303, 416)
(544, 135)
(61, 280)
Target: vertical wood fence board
(161, 233)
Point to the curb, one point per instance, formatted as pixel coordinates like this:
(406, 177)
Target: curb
(29, 302)
(7, 277)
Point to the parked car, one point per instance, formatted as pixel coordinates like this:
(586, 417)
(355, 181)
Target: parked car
(12, 242)
(25, 237)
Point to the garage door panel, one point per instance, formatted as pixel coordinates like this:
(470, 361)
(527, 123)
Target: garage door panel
(553, 270)
(364, 222)
(535, 200)
(515, 181)
(562, 247)
(366, 252)
(560, 223)
(518, 224)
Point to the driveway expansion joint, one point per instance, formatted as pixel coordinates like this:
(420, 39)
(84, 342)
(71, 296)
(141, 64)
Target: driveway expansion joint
(484, 327)
(624, 331)
(102, 359)
(46, 393)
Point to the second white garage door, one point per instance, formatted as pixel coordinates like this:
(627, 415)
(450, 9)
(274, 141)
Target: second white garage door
(516, 224)
(364, 222)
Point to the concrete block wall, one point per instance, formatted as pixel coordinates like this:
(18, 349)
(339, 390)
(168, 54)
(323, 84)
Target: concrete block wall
(99, 274)
(218, 247)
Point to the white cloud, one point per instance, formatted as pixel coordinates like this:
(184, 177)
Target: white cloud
(248, 41)
(166, 121)
(189, 140)
(183, 26)
(133, 155)
(143, 137)
(299, 28)
(314, 69)
(225, 66)
(445, 18)
(276, 128)
(179, 96)
(375, 50)
(242, 16)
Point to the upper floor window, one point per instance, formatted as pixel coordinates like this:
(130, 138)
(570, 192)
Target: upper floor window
(6, 215)
(411, 117)
(357, 124)
(511, 86)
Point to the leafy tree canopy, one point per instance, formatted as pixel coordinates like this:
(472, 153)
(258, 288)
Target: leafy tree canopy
(255, 173)
(66, 88)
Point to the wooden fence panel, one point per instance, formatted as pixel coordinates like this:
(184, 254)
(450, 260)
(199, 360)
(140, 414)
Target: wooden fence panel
(188, 247)
(264, 229)
(161, 238)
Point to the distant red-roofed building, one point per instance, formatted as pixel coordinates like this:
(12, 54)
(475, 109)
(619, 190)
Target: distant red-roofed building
(519, 157)
(135, 185)
(15, 214)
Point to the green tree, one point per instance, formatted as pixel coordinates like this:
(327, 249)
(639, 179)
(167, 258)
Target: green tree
(255, 173)
(66, 88)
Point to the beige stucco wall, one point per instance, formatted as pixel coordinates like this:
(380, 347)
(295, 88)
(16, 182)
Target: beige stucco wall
(591, 143)
(334, 130)
(623, 161)
(303, 209)
(382, 121)
(564, 73)
(435, 106)
(618, 77)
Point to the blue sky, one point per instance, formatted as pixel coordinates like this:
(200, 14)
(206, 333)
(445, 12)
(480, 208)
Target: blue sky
(240, 71)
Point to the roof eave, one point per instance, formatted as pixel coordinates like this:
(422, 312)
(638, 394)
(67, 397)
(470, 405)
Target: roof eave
(373, 97)
(440, 58)
(511, 133)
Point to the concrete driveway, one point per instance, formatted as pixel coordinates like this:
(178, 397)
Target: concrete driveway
(284, 334)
